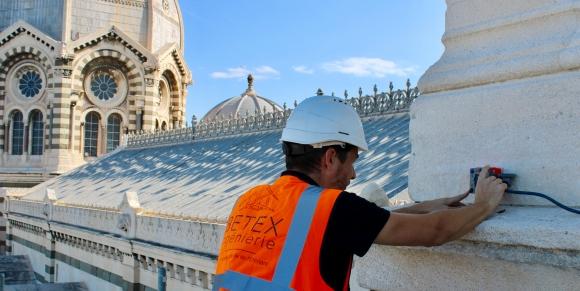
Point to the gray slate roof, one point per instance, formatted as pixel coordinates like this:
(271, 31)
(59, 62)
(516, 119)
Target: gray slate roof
(19, 276)
(16, 270)
(202, 179)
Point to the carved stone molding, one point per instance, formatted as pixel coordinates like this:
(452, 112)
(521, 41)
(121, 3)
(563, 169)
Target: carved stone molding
(64, 72)
(134, 3)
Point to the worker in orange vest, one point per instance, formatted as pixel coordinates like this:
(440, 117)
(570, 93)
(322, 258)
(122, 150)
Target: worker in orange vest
(300, 233)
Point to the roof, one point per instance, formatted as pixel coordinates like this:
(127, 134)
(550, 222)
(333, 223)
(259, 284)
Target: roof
(16, 270)
(202, 179)
(19, 276)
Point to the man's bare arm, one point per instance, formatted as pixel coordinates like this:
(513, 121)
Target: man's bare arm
(433, 228)
(439, 227)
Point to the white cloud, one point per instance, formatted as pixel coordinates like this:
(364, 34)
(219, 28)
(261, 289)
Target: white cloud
(262, 72)
(363, 67)
(267, 70)
(231, 73)
(303, 70)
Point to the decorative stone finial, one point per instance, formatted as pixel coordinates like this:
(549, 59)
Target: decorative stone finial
(250, 81)
(250, 91)
(319, 92)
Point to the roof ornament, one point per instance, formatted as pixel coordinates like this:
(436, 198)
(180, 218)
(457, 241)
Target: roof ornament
(50, 200)
(129, 207)
(319, 92)
(250, 91)
(250, 81)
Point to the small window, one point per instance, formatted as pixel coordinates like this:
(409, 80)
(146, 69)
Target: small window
(91, 134)
(37, 136)
(113, 132)
(17, 133)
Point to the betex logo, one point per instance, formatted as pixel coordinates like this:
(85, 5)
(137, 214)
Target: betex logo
(259, 231)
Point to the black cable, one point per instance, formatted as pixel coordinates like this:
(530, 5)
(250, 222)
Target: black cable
(545, 197)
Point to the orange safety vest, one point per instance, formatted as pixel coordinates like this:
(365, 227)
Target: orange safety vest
(273, 238)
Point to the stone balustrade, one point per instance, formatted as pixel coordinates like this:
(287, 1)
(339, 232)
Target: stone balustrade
(392, 101)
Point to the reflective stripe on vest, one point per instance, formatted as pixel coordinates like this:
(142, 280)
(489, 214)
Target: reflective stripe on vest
(290, 256)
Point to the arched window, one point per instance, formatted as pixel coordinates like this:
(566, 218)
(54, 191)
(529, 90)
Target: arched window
(37, 133)
(17, 133)
(91, 134)
(164, 126)
(113, 132)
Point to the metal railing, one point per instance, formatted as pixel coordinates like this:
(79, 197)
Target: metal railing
(392, 101)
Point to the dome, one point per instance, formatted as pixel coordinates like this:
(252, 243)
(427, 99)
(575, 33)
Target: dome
(248, 103)
(155, 24)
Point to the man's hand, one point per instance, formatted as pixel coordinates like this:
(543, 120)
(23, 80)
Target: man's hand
(410, 227)
(489, 190)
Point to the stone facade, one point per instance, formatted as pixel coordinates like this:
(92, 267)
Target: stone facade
(159, 205)
(503, 93)
(71, 91)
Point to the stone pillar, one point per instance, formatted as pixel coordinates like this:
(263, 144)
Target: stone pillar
(59, 158)
(2, 223)
(3, 128)
(102, 138)
(504, 93)
(6, 137)
(26, 150)
(82, 139)
(151, 93)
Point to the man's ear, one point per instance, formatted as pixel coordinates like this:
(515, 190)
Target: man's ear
(329, 158)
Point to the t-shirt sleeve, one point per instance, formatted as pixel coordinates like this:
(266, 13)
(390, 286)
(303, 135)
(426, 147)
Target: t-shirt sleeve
(354, 223)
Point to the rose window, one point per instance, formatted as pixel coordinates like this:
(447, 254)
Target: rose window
(104, 87)
(30, 84)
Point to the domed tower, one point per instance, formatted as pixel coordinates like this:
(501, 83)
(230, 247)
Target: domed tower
(76, 75)
(248, 103)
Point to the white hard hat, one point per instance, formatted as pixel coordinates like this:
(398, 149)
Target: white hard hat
(322, 121)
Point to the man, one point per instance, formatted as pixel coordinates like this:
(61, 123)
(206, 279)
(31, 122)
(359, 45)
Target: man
(301, 232)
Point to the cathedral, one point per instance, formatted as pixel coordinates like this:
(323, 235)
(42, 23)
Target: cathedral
(93, 92)
(76, 76)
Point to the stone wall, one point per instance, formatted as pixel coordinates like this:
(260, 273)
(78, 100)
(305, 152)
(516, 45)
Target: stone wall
(108, 249)
(503, 93)
(89, 16)
(39, 13)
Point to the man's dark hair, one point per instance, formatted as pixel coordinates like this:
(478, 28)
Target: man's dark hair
(306, 158)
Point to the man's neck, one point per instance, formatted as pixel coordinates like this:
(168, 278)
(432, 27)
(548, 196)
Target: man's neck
(313, 176)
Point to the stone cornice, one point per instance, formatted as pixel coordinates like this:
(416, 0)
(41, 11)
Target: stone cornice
(115, 34)
(22, 27)
(175, 52)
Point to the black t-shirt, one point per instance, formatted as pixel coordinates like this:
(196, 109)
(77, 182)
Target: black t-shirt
(353, 225)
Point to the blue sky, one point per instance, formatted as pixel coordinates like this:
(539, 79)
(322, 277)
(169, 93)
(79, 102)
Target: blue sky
(294, 47)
